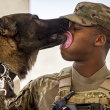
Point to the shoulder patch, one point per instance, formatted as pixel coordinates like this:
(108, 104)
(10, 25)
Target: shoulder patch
(66, 72)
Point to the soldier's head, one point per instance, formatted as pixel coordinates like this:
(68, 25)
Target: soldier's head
(90, 29)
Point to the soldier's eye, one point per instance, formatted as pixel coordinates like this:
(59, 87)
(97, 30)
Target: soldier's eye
(76, 28)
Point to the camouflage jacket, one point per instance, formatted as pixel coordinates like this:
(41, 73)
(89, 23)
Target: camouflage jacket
(39, 94)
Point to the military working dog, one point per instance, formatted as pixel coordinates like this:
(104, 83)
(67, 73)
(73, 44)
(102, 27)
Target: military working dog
(23, 35)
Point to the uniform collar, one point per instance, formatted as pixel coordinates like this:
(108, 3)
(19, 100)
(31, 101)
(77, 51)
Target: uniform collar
(101, 74)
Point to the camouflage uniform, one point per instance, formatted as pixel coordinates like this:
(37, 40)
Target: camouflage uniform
(40, 93)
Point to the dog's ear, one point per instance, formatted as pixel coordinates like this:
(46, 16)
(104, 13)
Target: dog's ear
(12, 43)
(8, 28)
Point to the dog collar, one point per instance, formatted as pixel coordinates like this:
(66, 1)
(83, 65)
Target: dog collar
(5, 77)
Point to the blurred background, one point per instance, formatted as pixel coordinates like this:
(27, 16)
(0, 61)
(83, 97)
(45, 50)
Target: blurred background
(49, 60)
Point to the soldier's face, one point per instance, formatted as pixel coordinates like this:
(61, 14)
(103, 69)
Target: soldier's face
(83, 39)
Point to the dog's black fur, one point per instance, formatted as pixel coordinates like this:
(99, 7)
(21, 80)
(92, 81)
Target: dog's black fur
(23, 35)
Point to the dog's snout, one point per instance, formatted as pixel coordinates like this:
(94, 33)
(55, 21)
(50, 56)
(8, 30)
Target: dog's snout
(64, 23)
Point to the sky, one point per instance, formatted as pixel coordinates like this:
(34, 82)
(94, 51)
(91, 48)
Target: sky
(47, 9)
(49, 60)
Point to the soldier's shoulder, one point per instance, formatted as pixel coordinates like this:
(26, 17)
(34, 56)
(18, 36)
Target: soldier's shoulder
(65, 72)
(51, 78)
(46, 81)
(38, 87)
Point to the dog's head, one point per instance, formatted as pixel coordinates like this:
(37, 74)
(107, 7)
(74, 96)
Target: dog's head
(23, 35)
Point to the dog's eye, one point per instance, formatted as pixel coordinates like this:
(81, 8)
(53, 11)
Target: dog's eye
(39, 37)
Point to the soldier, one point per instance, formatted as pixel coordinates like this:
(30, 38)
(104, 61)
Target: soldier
(88, 42)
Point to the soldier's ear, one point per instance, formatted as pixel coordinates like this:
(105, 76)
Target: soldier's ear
(9, 29)
(100, 40)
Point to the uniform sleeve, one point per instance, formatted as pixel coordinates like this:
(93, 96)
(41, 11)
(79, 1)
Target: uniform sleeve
(24, 100)
(32, 94)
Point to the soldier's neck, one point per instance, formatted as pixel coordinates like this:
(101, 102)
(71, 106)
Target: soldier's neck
(87, 69)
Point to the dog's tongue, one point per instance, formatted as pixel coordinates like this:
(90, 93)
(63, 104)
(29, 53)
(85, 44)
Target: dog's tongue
(68, 41)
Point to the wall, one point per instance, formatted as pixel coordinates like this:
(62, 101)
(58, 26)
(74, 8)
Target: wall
(13, 6)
